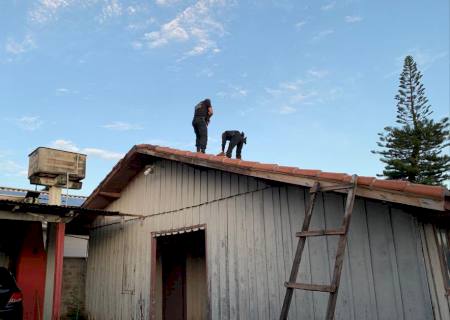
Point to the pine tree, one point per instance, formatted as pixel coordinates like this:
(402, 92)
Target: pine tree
(414, 150)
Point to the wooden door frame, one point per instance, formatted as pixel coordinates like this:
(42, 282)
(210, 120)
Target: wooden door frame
(153, 263)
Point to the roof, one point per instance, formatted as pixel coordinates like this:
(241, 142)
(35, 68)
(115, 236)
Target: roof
(78, 218)
(16, 193)
(40, 208)
(396, 191)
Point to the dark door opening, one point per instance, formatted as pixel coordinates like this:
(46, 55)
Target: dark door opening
(181, 291)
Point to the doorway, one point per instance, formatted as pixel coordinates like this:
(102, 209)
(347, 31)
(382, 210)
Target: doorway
(181, 290)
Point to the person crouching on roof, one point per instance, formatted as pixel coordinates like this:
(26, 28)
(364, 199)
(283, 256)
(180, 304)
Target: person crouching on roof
(235, 138)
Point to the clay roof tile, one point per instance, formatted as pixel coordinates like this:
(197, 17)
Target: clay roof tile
(431, 191)
(333, 176)
(365, 181)
(397, 185)
(285, 169)
(265, 166)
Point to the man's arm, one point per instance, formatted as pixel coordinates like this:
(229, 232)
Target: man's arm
(209, 115)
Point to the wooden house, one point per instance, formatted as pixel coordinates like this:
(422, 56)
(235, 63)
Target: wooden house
(209, 237)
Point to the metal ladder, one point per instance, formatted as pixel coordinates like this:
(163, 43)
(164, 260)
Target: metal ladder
(342, 232)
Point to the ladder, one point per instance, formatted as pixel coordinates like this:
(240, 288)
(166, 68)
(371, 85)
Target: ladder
(333, 288)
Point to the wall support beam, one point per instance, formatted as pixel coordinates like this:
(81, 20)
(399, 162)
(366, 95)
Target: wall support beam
(59, 256)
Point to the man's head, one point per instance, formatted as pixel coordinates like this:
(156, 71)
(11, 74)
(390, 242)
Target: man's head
(207, 102)
(244, 138)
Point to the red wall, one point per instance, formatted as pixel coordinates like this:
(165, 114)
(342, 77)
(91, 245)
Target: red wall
(30, 272)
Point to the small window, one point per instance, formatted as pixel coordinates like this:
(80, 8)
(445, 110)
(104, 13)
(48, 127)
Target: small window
(443, 240)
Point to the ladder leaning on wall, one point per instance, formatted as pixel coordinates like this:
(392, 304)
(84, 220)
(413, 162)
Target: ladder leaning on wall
(342, 232)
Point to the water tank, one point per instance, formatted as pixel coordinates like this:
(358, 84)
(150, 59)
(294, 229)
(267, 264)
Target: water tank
(51, 167)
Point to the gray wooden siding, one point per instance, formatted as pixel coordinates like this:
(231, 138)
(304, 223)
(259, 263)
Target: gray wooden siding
(250, 244)
(441, 303)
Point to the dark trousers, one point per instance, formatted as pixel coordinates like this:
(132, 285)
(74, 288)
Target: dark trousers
(236, 140)
(201, 133)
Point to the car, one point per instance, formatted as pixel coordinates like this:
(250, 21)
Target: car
(11, 300)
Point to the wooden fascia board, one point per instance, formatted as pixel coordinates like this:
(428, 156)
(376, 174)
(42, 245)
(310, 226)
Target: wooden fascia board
(362, 191)
(91, 200)
(112, 195)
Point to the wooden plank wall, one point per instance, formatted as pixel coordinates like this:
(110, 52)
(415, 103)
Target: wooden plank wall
(250, 248)
(440, 299)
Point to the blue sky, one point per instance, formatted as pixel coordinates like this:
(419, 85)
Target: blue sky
(310, 82)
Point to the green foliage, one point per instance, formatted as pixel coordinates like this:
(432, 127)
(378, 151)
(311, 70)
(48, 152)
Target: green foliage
(414, 150)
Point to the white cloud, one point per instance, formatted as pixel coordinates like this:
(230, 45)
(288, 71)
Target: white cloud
(246, 111)
(169, 31)
(303, 97)
(309, 90)
(318, 73)
(65, 145)
(29, 123)
(196, 23)
(112, 9)
(273, 92)
(104, 154)
(132, 10)
(95, 152)
(46, 10)
(166, 2)
(299, 25)
(353, 19)
(122, 126)
(323, 34)
(66, 91)
(233, 92)
(293, 92)
(137, 45)
(286, 110)
(425, 59)
(205, 72)
(328, 6)
(12, 168)
(286, 87)
(15, 48)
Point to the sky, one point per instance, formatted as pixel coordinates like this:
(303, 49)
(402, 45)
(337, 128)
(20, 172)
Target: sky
(311, 83)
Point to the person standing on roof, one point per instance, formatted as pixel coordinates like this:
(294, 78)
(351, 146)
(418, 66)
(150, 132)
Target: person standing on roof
(235, 138)
(202, 115)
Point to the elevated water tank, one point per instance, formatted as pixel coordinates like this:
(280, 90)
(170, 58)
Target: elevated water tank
(52, 167)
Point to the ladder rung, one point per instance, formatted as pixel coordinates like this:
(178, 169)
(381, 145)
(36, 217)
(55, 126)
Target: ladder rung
(310, 287)
(317, 233)
(336, 187)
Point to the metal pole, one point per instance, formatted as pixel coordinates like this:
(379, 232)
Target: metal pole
(67, 187)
